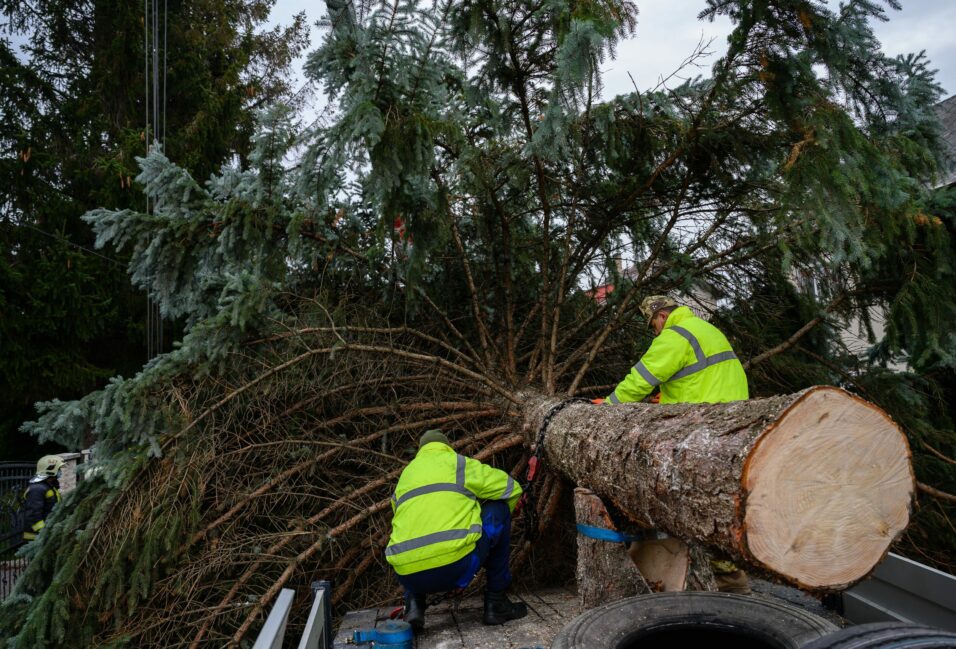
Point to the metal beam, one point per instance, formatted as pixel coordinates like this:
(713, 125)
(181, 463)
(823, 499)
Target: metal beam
(904, 590)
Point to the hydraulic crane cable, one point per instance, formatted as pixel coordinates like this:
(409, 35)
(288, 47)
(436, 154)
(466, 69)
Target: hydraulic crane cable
(149, 306)
(154, 320)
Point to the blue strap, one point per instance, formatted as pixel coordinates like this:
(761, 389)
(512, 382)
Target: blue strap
(604, 534)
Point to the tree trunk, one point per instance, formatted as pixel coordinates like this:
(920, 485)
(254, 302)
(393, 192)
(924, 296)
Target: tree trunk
(814, 486)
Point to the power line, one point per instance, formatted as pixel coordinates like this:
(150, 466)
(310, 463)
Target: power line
(151, 9)
(165, 67)
(148, 141)
(63, 239)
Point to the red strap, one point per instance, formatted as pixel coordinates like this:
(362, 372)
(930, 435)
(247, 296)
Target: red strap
(532, 467)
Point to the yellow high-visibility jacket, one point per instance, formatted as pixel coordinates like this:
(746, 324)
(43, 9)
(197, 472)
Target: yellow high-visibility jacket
(691, 360)
(437, 513)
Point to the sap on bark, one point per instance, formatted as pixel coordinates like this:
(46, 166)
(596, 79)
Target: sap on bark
(813, 486)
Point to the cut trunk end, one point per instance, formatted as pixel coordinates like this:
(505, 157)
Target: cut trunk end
(829, 489)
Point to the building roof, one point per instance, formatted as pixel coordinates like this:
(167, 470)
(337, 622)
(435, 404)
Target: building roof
(946, 110)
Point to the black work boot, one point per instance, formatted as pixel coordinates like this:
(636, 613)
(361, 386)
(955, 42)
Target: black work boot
(499, 609)
(415, 612)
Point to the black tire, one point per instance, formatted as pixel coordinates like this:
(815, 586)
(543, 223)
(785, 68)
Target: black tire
(672, 620)
(887, 635)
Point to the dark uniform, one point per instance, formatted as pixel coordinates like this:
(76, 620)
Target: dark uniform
(39, 498)
(41, 495)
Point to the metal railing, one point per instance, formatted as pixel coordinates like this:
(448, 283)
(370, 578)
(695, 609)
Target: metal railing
(903, 590)
(318, 627)
(14, 477)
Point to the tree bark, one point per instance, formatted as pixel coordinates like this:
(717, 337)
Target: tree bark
(814, 487)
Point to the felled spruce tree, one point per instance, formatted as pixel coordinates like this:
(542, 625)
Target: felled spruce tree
(425, 262)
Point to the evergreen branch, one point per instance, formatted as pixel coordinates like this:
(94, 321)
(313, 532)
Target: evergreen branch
(738, 41)
(449, 324)
(328, 455)
(797, 335)
(520, 91)
(602, 336)
(278, 227)
(665, 233)
(371, 330)
(355, 387)
(511, 338)
(436, 421)
(564, 277)
(357, 571)
(423, 58)
(483, 333)
(833, 367)
(505, 443)
(936, 493)
(529, 318)
(718, 221)
(938, 454)
(383, 59)
(427, 359)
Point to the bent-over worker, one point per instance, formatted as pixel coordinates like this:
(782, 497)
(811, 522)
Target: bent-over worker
(452, 515)
(690, 359)
(692, 362)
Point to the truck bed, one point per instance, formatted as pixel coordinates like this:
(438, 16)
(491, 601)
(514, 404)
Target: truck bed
(448, 626)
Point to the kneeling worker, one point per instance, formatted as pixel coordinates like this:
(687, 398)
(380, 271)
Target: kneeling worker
(452, 515)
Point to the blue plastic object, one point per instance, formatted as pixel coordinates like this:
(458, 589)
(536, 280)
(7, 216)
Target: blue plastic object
(604, 534)
(393, 634)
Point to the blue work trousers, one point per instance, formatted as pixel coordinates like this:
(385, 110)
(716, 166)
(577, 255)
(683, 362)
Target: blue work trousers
(491, 551)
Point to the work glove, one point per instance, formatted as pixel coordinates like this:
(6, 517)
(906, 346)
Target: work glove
(598, 400)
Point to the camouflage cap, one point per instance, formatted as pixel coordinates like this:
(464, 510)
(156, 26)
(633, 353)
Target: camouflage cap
(654, 303)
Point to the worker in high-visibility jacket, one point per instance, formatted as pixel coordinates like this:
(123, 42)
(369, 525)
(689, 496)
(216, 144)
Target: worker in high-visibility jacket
(689, 359)
(41, 495)
(451, 516)
(692, 362)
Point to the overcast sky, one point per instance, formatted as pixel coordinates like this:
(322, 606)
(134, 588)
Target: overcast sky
(668, 31)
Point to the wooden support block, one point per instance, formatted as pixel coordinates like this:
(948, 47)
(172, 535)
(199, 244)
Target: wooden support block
(605, 571)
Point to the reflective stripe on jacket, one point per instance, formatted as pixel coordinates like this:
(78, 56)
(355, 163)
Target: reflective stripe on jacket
(437, 508)
(38, 501)
(691, 360)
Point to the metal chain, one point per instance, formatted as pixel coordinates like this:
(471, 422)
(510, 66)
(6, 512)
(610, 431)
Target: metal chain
(531, 530)
(555, 409)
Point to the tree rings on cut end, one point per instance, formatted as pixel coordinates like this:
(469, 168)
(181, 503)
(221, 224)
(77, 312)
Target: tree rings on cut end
(829, 489)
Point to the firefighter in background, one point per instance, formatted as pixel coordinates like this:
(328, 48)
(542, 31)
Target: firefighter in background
(691, 361)
(452, 516)
(41, 495)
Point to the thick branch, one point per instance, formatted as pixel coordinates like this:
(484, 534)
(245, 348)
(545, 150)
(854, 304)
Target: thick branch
(800, 333)
(936, 493)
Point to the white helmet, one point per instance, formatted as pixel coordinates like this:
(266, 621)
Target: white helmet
(50, 465)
